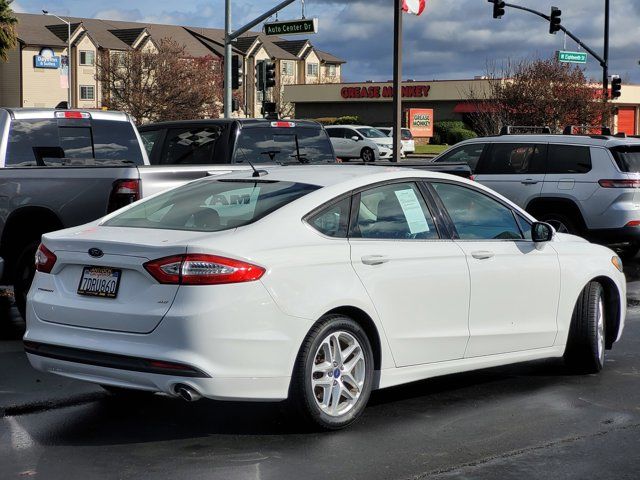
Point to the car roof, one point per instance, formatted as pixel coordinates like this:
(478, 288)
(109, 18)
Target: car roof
(244, 122)
(584, 140)
(33, 113)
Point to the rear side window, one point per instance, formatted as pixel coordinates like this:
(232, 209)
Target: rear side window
(627, 158)
(211, 205)
(149, 139)
(569, 159)
(469, 154)
(333, 221)
(283, 145)
(514, 159)
(192, 146)
(406, 134)
(336, 132)
(75, 143)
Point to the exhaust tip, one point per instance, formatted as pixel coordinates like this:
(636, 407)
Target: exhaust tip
(187, 393)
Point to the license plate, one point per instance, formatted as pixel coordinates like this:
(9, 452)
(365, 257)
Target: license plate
(100, 282)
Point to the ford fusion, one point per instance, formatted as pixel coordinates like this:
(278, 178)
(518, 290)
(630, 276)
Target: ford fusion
(316, 284)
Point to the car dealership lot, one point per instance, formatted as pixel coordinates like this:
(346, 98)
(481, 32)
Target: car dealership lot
(530, 420)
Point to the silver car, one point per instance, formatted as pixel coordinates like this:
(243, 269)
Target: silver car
(587, 185)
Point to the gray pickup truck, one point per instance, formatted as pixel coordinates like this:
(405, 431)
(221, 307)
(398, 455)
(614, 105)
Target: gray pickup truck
(62, 168)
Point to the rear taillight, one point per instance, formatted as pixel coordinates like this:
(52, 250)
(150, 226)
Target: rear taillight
(283, 124)
(198, 269)
(123, 193)
(633, 223)
(45, 259)
(73, 114)
(619, 183)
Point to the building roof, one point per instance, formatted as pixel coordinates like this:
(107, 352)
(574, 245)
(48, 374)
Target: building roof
(61, 30)
(294, 47)
(326, 57)
(128, 35)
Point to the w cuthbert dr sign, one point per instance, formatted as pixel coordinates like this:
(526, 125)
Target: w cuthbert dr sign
(292, 27)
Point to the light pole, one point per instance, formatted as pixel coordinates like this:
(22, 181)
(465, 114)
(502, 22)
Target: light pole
(45, 12)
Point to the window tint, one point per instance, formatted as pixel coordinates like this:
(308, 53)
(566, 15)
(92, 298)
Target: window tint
(192, 146)
(569, 159)
(333, 220)
(477, 216)
(280, 145)
(469, 154)
(68, 142)
(627, 158)
(395, 211)
(512, 158)
(211, 205)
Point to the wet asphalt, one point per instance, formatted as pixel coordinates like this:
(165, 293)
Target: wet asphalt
(527, 421)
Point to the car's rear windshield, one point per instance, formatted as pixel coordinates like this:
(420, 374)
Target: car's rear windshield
(627, 157)
(283, 145)
(212, 205)
(63, 142)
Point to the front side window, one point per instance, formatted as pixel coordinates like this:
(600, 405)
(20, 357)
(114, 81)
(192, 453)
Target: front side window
(394, 212)
(469, 154)
(333, 221)
(211, 205)
(371, 133)
(514, 159)
(87, 58)
(312, 69)
(87, 92)
(192, 146)
(477, 216)
(565, 159)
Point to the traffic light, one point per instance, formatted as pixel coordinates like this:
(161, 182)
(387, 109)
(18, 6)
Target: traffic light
(237, 72)
(260, 76)
(498, 8)
(269, 75)
(555, 20)
(616, 87)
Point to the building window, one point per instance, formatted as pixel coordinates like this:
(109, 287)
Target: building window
(120, 58)
(87, 57)
(87, 92)
(312, 69)
(331, 70)
(287, 69)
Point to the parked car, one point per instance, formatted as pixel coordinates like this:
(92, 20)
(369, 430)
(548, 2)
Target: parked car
(60, 168)
(408, 143)
(587, 185)
(358, 141)
(316, 284)
(236, 141)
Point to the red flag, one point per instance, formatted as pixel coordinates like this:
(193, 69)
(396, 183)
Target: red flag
(416, 7)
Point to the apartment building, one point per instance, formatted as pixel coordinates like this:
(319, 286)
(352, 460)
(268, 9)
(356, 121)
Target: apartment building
(37, 73)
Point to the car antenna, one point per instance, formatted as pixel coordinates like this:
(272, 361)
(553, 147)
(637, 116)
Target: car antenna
(256, 173)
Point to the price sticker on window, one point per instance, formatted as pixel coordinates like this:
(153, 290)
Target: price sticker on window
(412, 211)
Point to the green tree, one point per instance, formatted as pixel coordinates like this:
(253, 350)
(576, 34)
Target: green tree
(8, 38)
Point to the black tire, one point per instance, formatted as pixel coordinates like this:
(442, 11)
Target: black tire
(302, 394)
(23, 274)
(562, 223)
(586, 342)
(367, 155)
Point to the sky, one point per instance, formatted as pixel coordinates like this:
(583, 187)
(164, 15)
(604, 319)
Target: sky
(453, 39)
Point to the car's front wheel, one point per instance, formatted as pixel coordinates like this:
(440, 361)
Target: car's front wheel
(334, 373)
(587, 334)
(367, 155)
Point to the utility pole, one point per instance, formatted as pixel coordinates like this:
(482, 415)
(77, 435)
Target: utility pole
(605, 66)
(230, 37)
(68, 22)
(397, 80)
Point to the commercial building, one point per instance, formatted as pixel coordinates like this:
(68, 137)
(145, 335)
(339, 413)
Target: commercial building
(448, 100)
(36, 74)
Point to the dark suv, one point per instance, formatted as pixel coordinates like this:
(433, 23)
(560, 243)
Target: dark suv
(233, 141)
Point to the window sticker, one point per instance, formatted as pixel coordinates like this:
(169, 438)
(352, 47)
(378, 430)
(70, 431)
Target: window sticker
(412, 211)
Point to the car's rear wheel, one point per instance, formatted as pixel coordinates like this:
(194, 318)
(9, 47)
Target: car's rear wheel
(587, 335)
(561, 222)
(334, 373)
(367, 155)
(24, 272)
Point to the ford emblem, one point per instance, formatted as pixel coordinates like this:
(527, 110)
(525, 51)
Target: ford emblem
(96, 252)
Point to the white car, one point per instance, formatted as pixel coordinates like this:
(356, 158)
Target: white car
(358, 141)
(408, 142)
(318, 284)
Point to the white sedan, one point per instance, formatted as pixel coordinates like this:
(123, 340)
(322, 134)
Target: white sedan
(318, 284)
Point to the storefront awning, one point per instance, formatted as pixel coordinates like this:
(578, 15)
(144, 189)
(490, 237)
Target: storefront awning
(473, 107)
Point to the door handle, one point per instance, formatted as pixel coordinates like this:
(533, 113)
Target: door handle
(484, 255)
(375, 259)
(530, 182)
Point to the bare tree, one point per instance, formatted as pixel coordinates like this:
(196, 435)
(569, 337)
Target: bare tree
(536, 93)
(161, 84)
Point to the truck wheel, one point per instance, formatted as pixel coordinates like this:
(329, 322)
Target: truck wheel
(561, 222)
(23, 274)
(586, 343)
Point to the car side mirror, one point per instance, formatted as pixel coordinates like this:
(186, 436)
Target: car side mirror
(355, 138)
(542, 232)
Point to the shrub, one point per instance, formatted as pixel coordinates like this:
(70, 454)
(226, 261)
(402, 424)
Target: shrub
(459, 135)
(326, 120)
(348, 120)
(451, 132)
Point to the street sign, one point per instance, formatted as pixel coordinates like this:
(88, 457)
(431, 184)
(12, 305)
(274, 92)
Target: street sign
(292, 27)
(572, 57)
